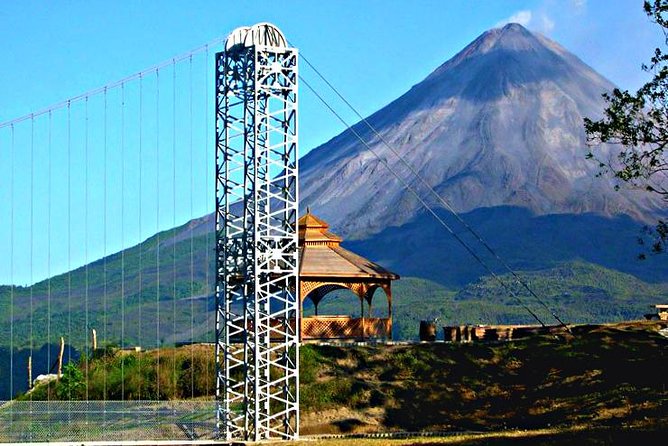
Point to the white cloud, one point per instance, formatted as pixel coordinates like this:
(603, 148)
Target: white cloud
(580, 4)
(545, 24)
(536, 21)
(522, 17)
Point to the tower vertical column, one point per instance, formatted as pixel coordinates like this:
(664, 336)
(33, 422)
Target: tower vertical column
(257, 305)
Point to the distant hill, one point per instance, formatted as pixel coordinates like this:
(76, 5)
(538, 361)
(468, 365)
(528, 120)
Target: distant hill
(579, 292)
(123, 313)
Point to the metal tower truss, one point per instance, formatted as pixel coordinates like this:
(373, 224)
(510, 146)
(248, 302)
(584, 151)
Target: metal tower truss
(257, 305)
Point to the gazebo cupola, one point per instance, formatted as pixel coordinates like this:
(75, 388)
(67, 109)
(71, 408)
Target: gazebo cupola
(325, 266)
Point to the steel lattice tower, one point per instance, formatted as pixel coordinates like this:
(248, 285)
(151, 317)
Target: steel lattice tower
(257, 304)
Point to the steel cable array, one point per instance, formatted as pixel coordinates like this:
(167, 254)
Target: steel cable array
(86, 207)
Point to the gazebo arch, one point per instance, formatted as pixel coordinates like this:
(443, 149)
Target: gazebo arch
(320, 291)
(324, 267)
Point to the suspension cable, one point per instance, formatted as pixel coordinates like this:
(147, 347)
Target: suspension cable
(115, 84)
(69, 236)
(87, 329)
(206, 194)
(408, 187)
(104, 248)
(192, 234)
(11, 269)
(48, 261)
(123, 237)
(174, 220)
(157, 231)
(32, 241)
(141, 238)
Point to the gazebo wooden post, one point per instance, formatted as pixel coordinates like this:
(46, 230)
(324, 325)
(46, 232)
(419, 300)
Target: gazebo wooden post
(362, 314)
(388, 292)
(301, 310)
(362, 291)
(370, 302)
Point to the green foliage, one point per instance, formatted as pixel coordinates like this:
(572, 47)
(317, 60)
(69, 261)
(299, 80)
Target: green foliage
(309, 362)
(72, 385)
(638, 123)
(326, 394)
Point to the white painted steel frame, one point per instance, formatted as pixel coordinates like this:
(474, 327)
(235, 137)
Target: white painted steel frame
(257, 304)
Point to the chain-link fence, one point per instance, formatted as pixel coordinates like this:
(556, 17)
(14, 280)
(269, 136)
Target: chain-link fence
(39, 421)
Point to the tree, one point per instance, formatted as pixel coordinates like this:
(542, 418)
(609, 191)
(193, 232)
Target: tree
(638, 123)
(72, 384)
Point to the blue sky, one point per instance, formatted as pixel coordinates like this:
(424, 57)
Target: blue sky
(372, 50)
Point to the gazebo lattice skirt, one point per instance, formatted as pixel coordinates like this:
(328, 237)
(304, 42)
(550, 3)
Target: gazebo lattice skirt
(345, 327)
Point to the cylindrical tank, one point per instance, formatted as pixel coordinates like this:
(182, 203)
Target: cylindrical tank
(450, 334)
(427, 331)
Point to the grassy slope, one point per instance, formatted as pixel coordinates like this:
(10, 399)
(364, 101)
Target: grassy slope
(599, 377)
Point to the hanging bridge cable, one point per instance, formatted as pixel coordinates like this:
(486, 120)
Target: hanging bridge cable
(424, 204)
(32, 240)
(69, 236)
(436, 195)
(104, 242)
(87, 350)
(88, 332)
(206, 195)
(174, 221)
(48, 257)
(69, 249)
(115, 84)
(192, 216)
(11, 266)
(123, 237)
(141, 239)
(157, 232)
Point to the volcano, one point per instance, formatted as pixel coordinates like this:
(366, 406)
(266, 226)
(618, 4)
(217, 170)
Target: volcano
(499, 124)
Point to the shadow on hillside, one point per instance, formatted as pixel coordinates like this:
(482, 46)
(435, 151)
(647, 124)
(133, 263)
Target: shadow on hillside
(421, 248)
(604, 376)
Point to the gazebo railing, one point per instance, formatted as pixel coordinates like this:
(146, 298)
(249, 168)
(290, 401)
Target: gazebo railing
(341, 327)
(346, 327)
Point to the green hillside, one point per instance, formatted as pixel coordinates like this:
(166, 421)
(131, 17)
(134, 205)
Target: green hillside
(107, 296)
(119, 296)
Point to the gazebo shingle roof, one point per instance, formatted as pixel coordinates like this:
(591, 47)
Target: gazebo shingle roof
(321, 254)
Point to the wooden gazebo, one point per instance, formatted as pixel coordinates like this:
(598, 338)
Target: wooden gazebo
(324, 267)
